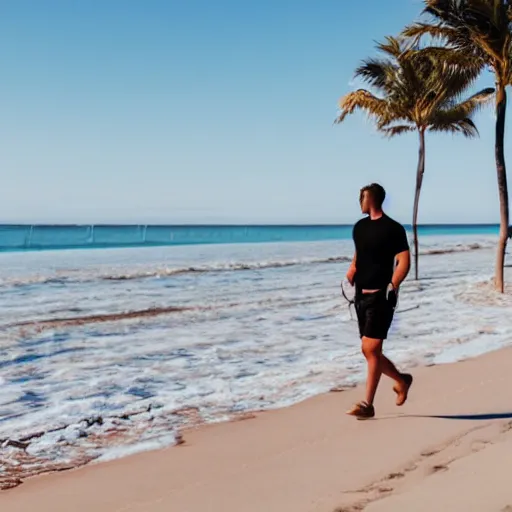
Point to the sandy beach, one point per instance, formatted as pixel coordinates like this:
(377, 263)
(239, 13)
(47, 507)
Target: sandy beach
(455, 430)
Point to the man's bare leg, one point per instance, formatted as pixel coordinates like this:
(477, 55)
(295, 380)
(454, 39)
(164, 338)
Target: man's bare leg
(378, 364)
(389, 369)
(403, 381)
(372, 350)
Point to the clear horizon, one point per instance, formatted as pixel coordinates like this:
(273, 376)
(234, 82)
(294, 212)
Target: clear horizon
(121, 224)
(171, 113)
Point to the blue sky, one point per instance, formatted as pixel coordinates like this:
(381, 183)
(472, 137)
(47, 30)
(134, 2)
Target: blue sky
(193, 111)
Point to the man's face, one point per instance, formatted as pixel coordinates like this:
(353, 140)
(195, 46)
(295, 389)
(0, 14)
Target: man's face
(365, 202)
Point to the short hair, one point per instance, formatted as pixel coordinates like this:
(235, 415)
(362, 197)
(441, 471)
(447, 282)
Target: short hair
(376, 191)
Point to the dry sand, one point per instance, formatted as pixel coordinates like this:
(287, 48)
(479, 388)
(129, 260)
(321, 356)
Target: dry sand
(313, 458)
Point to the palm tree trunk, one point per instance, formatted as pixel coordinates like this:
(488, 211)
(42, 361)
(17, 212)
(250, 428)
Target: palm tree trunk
(501, 107)
(419, 181)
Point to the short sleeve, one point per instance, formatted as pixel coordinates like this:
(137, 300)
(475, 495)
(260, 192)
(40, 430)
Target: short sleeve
(401, 243)
(355, 233)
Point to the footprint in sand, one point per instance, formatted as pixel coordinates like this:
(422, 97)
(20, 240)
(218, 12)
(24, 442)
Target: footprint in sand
(438, 467)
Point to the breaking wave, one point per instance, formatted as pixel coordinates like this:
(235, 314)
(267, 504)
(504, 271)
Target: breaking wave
(79, 276)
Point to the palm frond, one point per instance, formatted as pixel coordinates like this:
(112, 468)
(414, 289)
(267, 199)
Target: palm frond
(480, 28)
(474, 103)
(447, 11)
(455, 118)
(392, 47)
(464, 126)
(377, 73)
(438, 33)
(363, 100)
(453, 58)
(452, 73)
(398, 130)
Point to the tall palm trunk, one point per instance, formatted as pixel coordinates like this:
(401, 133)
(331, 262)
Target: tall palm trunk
(501, 108)
(419, 181)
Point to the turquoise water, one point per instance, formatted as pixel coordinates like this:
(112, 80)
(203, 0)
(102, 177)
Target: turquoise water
(45, 237)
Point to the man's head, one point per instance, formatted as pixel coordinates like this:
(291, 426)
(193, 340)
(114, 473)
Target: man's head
(371, 197)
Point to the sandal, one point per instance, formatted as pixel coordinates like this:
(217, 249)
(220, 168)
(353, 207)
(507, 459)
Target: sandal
(362, 410)
(403, 390)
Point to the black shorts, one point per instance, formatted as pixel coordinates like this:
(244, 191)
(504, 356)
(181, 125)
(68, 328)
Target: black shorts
(374, 314)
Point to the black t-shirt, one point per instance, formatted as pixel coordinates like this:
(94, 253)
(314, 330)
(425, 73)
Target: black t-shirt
(377, 243)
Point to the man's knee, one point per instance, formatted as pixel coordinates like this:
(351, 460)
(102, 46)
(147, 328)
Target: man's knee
(371, 347)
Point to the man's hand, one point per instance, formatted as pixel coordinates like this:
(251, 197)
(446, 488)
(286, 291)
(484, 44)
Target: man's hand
(392, 295)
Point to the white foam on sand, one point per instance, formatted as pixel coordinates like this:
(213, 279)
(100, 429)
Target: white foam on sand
(123, 451)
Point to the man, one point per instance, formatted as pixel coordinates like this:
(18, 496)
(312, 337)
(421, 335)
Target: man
(381, 262)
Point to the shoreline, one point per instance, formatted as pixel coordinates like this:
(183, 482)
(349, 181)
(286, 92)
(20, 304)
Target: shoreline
(268, 453)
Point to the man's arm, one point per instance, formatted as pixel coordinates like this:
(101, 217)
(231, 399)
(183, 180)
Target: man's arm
(351, 273)
(402, 256)
(352, 270)
(403, 264)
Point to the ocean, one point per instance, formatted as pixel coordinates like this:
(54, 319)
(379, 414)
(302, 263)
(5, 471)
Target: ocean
(46, 237)
(115, 350)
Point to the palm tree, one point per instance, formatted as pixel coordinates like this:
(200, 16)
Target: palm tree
(419, 90)
(481, 30)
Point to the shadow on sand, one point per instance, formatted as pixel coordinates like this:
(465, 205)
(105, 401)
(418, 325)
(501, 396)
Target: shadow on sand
(489, 416)
(469, 417)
